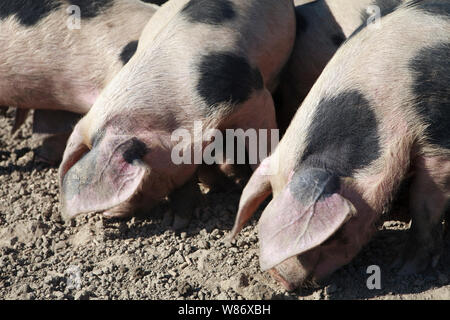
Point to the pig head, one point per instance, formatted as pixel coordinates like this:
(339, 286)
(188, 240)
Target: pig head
(352, 143)
(120, 155)
(118, 167)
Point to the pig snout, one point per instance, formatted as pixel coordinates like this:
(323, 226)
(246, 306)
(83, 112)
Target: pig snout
(295, 271)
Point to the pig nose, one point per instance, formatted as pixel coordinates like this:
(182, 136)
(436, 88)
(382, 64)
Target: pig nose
(290, 273)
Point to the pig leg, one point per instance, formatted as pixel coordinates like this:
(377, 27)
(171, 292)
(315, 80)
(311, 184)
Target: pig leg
(183, 202)
(52, 128)
(51, 149)
(430, 194)
(21, 116)
(3, 110)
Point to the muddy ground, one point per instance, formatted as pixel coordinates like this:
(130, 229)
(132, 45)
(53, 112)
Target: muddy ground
(41, 257)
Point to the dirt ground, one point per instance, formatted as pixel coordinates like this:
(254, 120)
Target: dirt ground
(41, 257)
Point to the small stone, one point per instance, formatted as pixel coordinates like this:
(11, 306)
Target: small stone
(58, 295)
(25, 288)
(97, 272)
(203, 244)
(317, 295)
(179, 257)
(223, 296)
(82, 295)
(13, 241)
(242, 281)
(60, 245)
(183, 265)
(48, 279)
(71, 223)
(184, 288)
(173, 273)
(215, 233)
(187, 248)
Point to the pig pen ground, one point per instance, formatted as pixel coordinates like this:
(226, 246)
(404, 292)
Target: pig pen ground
(41, 257)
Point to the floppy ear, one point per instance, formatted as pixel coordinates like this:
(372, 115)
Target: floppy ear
(100, 178)
(255, 192)
(303, 216)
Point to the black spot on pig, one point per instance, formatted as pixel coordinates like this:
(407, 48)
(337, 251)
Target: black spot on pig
(311, 184)
(338, 39)
(431, 87)
(92, 8)
(435, 7)
(302, 22)
(128, 51)
(343, 135)
(28, 12)
(135, 149)
(226, 77)
(209, 12)
(158, 2)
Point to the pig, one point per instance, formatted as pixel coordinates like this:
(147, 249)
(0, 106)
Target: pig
(322, 27)
(48, 65)
(377, 114)
(208, 61)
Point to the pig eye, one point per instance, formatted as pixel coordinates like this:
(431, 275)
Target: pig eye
(135, 149)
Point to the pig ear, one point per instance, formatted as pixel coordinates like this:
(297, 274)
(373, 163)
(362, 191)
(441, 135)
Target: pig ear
(295, 223)
(255, 192)
(104, 177)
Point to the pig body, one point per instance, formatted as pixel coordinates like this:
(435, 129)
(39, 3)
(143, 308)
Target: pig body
(322, 27)
(209, 61)
(377, 114)
(47, 63)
